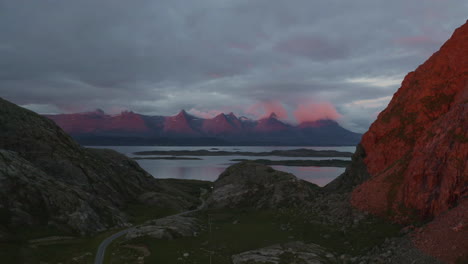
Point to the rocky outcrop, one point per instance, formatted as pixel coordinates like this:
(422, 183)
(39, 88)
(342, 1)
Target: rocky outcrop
(416, 151)
(48, 179)
(29, 197)
(412, 163)
(396, 250)
(355, 174)
(170, 227)
(258, 186)
(446, 237)
(292, 252)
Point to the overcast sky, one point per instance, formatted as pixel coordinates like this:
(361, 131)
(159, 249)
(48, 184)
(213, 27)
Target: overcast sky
(334, 58)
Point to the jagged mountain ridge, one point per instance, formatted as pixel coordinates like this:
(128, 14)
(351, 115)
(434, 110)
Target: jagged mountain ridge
(226, 128)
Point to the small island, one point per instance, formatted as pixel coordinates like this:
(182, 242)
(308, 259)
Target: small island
(282, 153)
(301, 163)
(166, 158)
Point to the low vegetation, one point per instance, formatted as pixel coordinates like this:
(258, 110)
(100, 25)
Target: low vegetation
(228, 232)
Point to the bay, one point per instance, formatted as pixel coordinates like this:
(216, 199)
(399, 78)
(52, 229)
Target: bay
(209, 167)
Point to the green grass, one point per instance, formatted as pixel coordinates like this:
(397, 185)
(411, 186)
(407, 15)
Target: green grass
(83, 249)
(256, 229)
(10, 252)
(19, 250)
(139, 213)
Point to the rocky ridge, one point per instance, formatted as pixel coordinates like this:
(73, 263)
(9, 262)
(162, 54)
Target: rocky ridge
(47, 179)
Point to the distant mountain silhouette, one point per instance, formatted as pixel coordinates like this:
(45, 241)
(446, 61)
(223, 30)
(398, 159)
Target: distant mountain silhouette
(128, 128)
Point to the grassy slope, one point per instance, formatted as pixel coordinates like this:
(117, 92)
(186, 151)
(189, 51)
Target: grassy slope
(252, 230)
(83, 249)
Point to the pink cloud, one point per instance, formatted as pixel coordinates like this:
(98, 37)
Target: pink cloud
(264, 109)
(313, 111)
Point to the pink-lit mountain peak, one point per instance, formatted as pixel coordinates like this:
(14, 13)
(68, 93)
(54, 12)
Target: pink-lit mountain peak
(273, 115)
(222, 124)
(179, 124)
(221, 116)
(99, 111)
(182, 114)
(270, 123)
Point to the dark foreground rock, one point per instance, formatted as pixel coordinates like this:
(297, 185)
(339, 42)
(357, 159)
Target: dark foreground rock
(29, 197)
(396, 250)
(258, 186)
(47, 179)
(288, 253)
(170, 227)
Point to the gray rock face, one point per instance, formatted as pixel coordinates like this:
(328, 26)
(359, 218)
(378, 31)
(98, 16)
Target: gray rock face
(42, 143)
(48, 179)
(289, 253)
(355, 174)
(170, 227)
(30, 197)
(254, 185)
(397, 250)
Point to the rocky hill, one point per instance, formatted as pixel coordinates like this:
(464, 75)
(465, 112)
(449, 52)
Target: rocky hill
(128, 128)
(412, 163)
(253, 185)
(47, 179)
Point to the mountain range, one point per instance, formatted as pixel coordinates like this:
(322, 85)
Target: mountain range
(129, 128)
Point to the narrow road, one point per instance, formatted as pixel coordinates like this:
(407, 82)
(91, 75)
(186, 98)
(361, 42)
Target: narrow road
(103, 246)
(101, 252)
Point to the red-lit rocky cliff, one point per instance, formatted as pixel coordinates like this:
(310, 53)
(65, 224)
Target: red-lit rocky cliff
(416, 150)
(412, 163)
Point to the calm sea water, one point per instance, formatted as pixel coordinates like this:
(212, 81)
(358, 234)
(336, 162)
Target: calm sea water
(210, 167)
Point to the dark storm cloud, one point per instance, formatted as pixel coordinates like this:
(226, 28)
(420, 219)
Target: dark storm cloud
(158, 56)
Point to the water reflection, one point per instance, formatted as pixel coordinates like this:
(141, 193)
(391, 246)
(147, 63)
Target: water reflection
(210, 167)
(318, 175)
